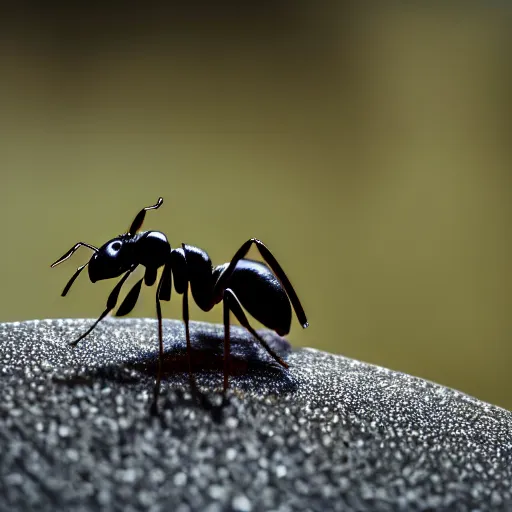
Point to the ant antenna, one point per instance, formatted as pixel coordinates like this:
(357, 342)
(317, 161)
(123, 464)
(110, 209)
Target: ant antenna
(78, 270)
(71, 252)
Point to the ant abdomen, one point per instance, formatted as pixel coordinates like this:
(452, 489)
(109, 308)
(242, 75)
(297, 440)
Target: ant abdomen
(260, 293)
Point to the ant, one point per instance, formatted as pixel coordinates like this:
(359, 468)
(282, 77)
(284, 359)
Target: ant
(264, 292)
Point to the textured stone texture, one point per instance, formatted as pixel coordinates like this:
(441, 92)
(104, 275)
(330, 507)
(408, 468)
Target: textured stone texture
(330, 433)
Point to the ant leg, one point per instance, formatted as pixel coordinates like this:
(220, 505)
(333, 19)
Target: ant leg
(72, 280)
(187, 335)
(163, 292)
(156, 389)
(130, 300)
(166, 280)
(227, 340)
(231, 303)
(139, 218)
(150, 276)
(71, 251)
(111, 304)
(276, 268)
(181, 285)
(196, 393)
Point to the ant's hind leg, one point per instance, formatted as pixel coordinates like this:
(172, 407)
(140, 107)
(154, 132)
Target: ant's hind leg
(276, 268)
(227, 339)
(231, 303)
(186, 321)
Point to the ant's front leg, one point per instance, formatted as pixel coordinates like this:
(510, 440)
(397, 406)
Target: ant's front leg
(73, 279)
(133, 295)
(111, 304)
(130, 300)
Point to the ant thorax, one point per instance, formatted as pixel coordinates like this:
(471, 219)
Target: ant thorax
(151, 249)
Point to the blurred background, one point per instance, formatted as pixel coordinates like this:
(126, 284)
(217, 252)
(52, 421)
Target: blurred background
(368, 147)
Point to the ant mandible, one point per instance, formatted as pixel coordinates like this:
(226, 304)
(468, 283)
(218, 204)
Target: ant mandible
(264, 292)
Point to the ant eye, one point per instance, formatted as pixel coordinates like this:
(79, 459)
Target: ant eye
(113, 248)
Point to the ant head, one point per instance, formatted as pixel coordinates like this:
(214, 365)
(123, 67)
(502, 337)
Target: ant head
(110, 260)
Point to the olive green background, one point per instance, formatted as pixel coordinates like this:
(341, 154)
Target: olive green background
(369, 148)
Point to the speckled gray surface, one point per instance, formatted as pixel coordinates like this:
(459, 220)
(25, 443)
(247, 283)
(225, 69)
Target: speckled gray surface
(329, 434)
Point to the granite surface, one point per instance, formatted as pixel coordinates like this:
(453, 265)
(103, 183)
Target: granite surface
(330, 433)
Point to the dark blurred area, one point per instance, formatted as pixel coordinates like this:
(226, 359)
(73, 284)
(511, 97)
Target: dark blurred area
(368, 147)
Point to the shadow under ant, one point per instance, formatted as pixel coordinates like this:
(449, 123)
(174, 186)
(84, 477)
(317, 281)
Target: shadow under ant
(249, 364)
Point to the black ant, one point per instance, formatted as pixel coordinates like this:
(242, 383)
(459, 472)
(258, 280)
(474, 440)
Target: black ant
(264, 292)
